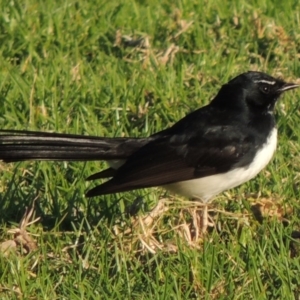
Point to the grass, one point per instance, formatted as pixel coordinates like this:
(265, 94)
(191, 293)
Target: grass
(69, 67)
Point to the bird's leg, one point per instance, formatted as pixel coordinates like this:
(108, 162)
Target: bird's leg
(207, 220)
(201, 219)
(204, 218)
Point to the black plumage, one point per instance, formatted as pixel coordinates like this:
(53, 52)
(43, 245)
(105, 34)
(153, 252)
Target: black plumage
(222, 136)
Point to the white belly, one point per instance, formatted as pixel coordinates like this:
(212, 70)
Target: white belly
(207, 187)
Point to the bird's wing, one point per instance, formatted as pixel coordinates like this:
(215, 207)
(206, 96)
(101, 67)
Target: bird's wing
(181, 157)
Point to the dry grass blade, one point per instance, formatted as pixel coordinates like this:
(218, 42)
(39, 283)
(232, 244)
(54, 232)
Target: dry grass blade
(169, 54)
(22, 238)
(271, 208)
(146, 233)
(184, 27)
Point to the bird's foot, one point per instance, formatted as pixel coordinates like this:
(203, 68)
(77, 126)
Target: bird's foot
(201, 221)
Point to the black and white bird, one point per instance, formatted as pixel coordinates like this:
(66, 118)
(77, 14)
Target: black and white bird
(212, 149)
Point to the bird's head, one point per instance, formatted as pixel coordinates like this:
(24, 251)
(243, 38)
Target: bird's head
(255, 90)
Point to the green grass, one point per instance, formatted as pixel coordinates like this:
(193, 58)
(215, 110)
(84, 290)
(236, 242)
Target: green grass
(63, 69)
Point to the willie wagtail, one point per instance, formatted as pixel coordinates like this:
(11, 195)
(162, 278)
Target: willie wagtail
(215, 148)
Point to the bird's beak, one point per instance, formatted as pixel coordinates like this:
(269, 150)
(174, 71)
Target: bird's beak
(288, 86)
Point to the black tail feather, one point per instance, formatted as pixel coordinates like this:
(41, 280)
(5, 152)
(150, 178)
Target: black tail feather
(32, 145)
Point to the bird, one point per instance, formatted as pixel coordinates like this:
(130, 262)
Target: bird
(212, 149)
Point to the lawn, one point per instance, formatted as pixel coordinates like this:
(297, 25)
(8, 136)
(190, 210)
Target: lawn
(131, 68)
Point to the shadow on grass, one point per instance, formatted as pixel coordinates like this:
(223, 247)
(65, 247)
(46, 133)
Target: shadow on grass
(61, 210)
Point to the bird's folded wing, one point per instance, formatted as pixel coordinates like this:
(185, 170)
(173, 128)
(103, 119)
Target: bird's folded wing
(180, 157)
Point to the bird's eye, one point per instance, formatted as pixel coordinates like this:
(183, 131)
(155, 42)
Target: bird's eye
(265, 89)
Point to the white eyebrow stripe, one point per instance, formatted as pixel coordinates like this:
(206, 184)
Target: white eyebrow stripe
(265, 81)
